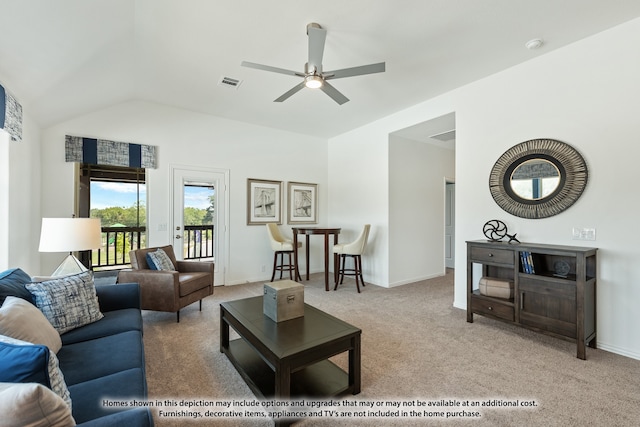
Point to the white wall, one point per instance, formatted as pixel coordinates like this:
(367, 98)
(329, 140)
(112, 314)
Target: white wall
(587, 95)
(417, 177)
(359, 187)
(20, 198)
(186, 138)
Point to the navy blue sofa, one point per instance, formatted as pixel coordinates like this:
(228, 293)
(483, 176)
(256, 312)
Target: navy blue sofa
(104, 362)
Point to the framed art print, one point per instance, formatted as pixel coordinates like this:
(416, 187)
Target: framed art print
(264, 201)
(302, 203)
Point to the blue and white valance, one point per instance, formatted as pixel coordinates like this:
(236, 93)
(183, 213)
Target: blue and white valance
(113, 153)
(10, 114)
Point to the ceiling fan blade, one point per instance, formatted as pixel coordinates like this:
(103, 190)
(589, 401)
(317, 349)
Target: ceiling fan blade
(334, 93)
(317, 37)
(270, 68)
(290, 92)
(355, 71)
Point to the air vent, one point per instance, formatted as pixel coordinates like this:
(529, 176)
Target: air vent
(229, 82)
(445, 136)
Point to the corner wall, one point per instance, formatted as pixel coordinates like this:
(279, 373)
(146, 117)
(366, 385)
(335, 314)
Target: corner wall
(20, 216)
(417, 176)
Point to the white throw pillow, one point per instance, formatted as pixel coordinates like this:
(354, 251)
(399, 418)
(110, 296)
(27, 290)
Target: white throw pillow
(67, 302)
(33, 405)
(22, 320)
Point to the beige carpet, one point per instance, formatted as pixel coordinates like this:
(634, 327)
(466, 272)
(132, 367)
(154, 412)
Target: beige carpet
(415, 348)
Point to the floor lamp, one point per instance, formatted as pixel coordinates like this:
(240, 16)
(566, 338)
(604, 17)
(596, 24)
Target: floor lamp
(70, 235)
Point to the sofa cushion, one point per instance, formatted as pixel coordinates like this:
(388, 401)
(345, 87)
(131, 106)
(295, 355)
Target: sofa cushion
(33, 405)
(88, 396)
(21, 361)
(191, 282)
(113, 322)
(159, 260)
(22, 320)
(88, 360)
(67, 302)
(12, 282)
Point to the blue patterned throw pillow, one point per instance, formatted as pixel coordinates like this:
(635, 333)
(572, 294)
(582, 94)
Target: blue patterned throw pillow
(67, 302)
(23, 362)
(159, 260)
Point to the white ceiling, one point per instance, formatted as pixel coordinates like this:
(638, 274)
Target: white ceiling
(64, 58)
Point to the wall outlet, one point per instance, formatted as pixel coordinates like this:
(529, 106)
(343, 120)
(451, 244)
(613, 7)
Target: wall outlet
(162, 227)
(584, 233)
(264, 268)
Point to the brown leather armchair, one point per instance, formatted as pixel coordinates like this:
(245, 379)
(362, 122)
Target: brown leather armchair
(165, 290)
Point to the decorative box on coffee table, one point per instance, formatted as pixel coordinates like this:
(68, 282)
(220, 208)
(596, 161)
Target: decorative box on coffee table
(283, 300)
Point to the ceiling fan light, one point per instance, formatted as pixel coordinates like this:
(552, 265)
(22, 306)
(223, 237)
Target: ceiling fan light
(313, 82)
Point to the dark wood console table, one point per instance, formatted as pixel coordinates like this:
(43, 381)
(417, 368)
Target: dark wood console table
(554, 288)
(308, 231)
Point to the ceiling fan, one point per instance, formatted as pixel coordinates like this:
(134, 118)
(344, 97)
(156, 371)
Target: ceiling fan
(313, 75)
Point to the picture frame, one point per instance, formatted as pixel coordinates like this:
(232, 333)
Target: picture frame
(264, 201)
(302, 203)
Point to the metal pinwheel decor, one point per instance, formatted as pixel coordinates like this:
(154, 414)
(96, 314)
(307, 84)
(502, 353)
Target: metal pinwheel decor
(496, 230)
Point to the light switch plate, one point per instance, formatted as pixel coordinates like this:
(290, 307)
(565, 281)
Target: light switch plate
(584, 233)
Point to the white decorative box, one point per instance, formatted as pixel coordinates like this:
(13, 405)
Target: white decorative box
(283, 300)
(498, 288)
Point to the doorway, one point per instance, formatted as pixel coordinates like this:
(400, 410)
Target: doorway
(199, 216)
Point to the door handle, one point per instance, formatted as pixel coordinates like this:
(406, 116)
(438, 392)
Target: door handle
(178, 236)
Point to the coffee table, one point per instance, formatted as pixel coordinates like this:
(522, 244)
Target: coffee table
(287, 359)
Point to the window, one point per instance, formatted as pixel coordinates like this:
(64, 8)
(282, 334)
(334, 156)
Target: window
(116, 195)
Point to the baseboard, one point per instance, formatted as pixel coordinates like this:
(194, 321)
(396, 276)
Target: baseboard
(416, 279)
(618, 350)
(267, 278)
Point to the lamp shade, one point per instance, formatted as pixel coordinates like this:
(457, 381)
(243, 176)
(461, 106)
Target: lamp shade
(70, 234)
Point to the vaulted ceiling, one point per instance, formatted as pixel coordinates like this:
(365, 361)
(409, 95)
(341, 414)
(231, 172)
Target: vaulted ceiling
(65, 58)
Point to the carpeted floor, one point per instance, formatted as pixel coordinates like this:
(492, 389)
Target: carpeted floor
(415, 348)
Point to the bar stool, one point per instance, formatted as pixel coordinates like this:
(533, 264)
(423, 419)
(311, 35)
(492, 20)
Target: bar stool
(353, 250)
(281, 247)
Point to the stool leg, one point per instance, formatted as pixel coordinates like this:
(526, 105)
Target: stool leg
(275, 259)
(290, 267)
(360, 269)
(356, 271)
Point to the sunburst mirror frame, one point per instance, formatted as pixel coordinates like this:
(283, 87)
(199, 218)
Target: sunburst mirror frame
(573, 178)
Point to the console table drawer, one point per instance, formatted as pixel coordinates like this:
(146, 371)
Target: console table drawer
(492, 308)
(490, 255)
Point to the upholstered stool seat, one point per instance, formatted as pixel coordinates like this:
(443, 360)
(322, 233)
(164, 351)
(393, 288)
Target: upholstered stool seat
(353, 250)
(281, 247)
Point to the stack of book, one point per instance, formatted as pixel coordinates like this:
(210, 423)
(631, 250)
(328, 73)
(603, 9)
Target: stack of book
(527, 262)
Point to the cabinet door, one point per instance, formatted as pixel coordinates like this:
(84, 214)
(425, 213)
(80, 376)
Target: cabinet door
(549, 305)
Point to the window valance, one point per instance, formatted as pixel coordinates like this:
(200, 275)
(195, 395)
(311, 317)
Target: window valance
(113, 153)
(10, 114)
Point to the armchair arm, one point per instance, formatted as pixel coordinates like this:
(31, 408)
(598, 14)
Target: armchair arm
(195, 267)
(117, 297)
(159, 289)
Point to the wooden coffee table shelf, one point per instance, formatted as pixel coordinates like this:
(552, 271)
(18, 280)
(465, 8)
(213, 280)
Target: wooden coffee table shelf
(290, 358)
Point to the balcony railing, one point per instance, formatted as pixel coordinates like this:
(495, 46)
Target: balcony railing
(116, 244)
(198, 241)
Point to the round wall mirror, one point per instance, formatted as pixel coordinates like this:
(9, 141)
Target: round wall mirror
(538, 178)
